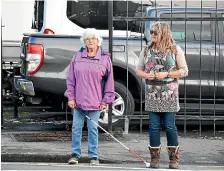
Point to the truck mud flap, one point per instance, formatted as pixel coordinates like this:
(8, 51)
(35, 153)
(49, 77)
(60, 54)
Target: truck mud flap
(24, 86)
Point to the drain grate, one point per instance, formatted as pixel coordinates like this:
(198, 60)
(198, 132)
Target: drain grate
(53, 136)
(42, 136)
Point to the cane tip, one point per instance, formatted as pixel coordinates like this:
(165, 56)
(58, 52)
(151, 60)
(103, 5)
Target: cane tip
(147, 164)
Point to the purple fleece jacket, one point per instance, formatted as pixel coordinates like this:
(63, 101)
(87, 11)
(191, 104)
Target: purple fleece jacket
(90, 80)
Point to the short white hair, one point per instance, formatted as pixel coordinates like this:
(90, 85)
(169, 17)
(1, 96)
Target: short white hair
(90, 32)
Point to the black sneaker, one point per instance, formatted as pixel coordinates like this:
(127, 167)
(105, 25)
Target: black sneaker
(94, 161)
(74, 159)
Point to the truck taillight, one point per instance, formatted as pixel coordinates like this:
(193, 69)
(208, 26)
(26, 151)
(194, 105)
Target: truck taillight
(48, 31)
(35, 58)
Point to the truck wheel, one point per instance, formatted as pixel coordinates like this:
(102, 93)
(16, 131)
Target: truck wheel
(119, 107)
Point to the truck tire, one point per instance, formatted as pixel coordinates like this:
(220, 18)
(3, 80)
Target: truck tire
(119, 109)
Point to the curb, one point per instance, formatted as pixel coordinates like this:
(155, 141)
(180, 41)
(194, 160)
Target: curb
(46, 158)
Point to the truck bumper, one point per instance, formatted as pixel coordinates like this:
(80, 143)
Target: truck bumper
(23, 86)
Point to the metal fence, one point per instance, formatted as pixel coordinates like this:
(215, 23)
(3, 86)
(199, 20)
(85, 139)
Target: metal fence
(202, 92)
(201, 30)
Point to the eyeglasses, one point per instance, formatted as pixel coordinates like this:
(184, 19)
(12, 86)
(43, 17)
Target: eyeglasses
(91, 38)
(155, 32)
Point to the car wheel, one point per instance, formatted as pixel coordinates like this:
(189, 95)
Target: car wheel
(120, 107)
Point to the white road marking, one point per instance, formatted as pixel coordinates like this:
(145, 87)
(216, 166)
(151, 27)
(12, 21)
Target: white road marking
(108, 166)
(211, 166)
(78, 165)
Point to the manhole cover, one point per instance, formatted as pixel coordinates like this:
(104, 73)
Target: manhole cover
(52, 136)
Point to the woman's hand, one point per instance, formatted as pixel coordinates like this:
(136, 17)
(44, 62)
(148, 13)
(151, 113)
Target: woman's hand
(161, 75)
(150, 76)
(103, 107)
(72, 104)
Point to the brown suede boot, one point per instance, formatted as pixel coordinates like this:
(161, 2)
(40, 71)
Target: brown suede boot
(174, 157)
(155, 156)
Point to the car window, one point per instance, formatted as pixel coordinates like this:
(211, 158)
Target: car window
(38, 15)
(223, 21)
(192, 27)
(87, 14)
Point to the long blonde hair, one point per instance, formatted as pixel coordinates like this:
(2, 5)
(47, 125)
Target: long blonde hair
(166, 42)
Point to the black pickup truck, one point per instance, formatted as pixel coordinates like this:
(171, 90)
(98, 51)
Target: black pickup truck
(45, 60)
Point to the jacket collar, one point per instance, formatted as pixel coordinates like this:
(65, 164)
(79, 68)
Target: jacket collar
(85, 53)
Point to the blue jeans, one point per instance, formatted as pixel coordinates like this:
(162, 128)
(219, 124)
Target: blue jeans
(77, 126)
(167, 119)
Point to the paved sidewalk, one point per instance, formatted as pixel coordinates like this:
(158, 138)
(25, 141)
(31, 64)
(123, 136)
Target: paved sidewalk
(27, 140)
(194, 151)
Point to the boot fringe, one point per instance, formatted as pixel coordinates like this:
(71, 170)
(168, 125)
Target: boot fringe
(154, 147)
(176, 148)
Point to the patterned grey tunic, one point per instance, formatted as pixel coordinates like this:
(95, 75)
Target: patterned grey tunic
(160, 95)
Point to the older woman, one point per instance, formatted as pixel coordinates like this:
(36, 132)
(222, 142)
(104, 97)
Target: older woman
(90, 88)
(161, 64)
